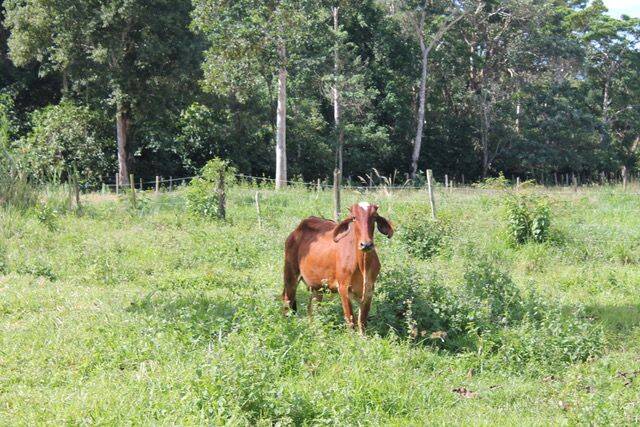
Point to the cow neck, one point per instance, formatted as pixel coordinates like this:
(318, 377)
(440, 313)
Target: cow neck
(363, 261)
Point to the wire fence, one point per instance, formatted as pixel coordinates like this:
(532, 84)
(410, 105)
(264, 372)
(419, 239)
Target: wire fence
(172, 183)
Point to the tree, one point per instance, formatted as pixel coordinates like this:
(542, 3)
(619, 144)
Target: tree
(429, 34)
(248, 41)
(612, 61)
(132, 53)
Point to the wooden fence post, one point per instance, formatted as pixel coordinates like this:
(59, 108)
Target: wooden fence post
(624, 178)
(141, 189)
(132, 183)
(221, 195)
(170, 183)
(574, 181)
(319, 186)
(517, 182)
(446, 181)
(258, 209)
(432, 200)
(336, 194)
(157, 185)
(76, 188)
(117, 184)
(463, 180)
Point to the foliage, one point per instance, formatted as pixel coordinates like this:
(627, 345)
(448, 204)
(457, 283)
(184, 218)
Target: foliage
(558, 94)
(66, 138)
(424, 237)
(162, 317)
(202, 194)
(494, 183)
(528, 218)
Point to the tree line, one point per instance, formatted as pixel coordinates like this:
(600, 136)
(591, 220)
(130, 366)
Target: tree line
(298, 88)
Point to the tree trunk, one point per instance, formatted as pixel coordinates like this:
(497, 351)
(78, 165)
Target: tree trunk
(281, 122)
(421, 107)
(123, 125)
(484, 134)
(336, 98)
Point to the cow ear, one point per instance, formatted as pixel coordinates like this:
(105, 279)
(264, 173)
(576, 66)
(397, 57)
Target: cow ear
(341, 229)
(384, 226)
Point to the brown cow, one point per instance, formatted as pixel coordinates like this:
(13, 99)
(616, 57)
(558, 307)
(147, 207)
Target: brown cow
(340, 257)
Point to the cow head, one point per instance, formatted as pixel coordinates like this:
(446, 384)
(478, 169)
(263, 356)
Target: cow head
(363, 216)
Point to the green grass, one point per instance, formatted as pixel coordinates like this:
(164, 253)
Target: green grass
(154, 317)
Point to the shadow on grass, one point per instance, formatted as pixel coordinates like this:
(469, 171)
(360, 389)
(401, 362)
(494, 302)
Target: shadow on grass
(616, 319)
(191, 317)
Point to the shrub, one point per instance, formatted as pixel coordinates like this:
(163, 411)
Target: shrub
(487, 314)
(495, 183)
(202, 195)
(421, 309)
(424, 237)
(65, 137)
(47, 214)
(494, 293)
(528, 218)
(15, 189)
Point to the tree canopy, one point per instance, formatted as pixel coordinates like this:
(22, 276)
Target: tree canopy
(471, 87)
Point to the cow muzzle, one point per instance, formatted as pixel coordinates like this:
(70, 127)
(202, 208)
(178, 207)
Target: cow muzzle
(366, 246)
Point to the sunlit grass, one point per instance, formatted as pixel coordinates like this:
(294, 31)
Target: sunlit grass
(150, 316)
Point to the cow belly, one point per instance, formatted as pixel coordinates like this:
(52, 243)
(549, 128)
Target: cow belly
(317, 268)
(317, 277)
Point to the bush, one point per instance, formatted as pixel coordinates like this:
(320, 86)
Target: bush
(15, 189)
(424, 237)
(202, 195)
(494, 183)
(487, 314)
(66, 137)
(494, 293)
(528, 218)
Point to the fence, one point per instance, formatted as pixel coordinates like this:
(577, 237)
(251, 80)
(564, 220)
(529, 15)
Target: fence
(449, 186)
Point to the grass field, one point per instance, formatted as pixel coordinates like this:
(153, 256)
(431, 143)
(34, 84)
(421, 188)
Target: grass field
(152, 316)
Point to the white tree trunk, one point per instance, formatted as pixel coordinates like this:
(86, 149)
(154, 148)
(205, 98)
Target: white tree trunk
(336, 97)
(421, 108)
(281, 123)
(123, 124)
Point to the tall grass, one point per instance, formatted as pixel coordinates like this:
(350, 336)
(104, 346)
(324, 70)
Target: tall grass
(154, 315)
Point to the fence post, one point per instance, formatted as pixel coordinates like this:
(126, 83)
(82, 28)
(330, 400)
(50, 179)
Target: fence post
(132, 183)
(258, 209)
(76, 188)
(336, 194)
(517, 182)
(624, 178)
(170, 183)
(117, 184)
(432, 200)
(141, 189)
(555, 178)
(319, 186)
(574, 181)
(157, 185)
(221, 195)
(446, 181)
(463, 180)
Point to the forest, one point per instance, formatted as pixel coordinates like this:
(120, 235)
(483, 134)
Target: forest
(293, 89)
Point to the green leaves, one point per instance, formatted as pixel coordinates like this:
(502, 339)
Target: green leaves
(528, 218)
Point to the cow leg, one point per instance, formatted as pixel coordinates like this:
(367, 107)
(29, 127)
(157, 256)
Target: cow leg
(291, 277)
(316, 295)
(343, 290)
(363, 314)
